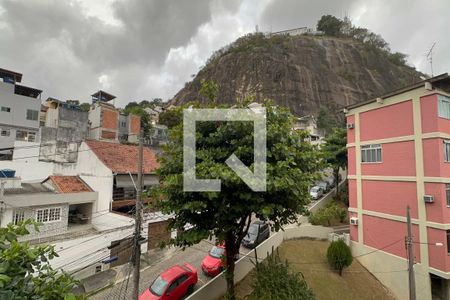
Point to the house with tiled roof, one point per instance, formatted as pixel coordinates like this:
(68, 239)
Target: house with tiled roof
(111, 170)
(59, 203)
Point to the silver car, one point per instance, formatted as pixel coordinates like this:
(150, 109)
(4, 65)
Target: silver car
(316, 192)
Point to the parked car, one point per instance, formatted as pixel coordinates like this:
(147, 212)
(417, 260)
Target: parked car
(316, 192)
(212, 264)
(172, 284)
(330, 181)
(257, 233)
(324, 185)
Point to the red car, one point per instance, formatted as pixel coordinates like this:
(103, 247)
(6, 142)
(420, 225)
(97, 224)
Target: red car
(212, 264)
(172, 284)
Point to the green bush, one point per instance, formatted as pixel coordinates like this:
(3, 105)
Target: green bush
(324, 216)
(339, 255)
(273, 281)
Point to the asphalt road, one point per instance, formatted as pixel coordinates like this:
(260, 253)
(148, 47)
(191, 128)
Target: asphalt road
(157, 264)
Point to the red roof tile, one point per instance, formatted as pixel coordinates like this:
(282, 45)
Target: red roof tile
(120, 158)
(69, 184)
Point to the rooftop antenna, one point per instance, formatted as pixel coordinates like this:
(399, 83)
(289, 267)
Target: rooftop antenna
(429, 56)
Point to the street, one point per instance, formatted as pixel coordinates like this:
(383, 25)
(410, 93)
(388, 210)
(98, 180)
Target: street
(163, 260)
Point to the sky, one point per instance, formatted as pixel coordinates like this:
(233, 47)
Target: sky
(144, 49)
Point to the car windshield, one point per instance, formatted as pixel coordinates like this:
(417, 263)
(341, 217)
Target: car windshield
(159, 286)
(216, 252)
(253, 230)
(315, 189)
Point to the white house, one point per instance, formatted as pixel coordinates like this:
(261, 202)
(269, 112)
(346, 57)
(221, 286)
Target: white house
(111, 170)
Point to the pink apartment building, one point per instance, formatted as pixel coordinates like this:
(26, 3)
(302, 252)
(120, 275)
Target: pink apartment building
(399, 155)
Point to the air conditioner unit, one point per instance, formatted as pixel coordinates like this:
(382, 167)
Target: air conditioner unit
(428, 199)
(350, 126)
(354, 221)
(428, 86)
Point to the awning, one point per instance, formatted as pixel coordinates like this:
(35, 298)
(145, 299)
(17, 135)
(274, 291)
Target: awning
(124, 180)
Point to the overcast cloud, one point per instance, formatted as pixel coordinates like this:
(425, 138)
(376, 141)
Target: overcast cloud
(141, 49)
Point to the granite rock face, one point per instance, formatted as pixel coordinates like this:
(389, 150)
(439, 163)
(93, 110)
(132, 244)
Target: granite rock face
(300, 72)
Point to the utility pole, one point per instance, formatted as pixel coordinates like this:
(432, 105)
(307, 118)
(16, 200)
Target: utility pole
(430, 57)
(2, 190)
(138, 220)
(410, 248)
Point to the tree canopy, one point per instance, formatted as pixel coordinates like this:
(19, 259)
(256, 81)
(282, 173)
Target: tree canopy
(330, 25)
(25, 272)
(292, 164)
(335, 152)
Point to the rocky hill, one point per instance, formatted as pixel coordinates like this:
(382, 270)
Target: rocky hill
(301, 72)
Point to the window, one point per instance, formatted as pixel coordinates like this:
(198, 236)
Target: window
(27, 136)
(48, 215)
(5, 132)
(18, 216)
(444, 107)
(371, 153)
(182, 279)
(448, 241)
(6, 109)
(32, 114)
(447, 193)
(447, 150)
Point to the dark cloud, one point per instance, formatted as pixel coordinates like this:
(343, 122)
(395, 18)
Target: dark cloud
(153, 46)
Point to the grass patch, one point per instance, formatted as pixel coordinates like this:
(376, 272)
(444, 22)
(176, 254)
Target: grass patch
(356, 282)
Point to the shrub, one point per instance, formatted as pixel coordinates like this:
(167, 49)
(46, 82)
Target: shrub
(273, 281)
(339, 255)
(324, 216)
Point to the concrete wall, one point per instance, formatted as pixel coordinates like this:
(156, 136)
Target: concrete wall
(19, 105)
(94, 173)
(216, 287)
(17, 117)
(49, 228)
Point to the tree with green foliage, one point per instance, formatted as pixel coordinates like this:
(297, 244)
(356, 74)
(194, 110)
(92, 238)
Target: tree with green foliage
(171, 117)
(25, 272)
(323, 216)
(209, 89)
(325, 120)
(339, 256)
(330, 25)
(85, 107)
(334, 151)
(273, 281)
(292, 165)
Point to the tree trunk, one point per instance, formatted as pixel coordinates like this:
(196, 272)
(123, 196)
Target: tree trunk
(336, 179)
(340, 272)
(229, 274)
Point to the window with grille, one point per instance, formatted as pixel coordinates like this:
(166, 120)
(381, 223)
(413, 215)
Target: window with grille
(18, 216)
(25, 136)
(371, 153)
(6, 109)
(48, 215)
(444, 107)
